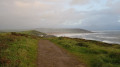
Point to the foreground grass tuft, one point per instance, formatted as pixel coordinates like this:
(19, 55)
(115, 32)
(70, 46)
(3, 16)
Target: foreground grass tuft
(18, 50)
(92, 53)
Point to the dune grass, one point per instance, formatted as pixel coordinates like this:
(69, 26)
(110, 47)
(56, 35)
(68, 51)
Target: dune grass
(18, 50)
(91, 53)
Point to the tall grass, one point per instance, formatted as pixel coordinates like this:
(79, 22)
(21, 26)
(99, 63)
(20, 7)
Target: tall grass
(92, 53)
(18, 50)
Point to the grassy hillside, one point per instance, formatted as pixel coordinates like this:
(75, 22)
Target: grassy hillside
(33, 32)
(91, 53)
(18, 50)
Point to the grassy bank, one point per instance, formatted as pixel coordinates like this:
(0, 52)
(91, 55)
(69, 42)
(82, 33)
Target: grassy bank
(18, 50)
(92, 53)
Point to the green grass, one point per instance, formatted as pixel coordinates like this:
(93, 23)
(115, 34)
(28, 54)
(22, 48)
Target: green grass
(18, 50)
(91, 53)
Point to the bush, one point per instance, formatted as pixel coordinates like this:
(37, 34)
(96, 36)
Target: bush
(19, 34)
(82, 44)
(113, 57)
(97, 62)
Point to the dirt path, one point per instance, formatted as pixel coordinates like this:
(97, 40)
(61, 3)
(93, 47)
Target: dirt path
(50, 55)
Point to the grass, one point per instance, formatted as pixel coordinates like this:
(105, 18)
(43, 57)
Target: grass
(18, 50)
(92, 53)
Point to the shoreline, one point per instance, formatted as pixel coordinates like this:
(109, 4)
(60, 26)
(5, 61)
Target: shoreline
(87, 36)
(95, 40)
(91, 40)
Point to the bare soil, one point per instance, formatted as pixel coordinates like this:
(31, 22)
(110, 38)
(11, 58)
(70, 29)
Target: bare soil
(50, 55)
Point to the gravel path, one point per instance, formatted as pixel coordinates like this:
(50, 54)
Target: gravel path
(50, 55)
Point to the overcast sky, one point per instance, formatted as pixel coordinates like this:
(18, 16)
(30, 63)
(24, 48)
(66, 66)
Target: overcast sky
(86, 14)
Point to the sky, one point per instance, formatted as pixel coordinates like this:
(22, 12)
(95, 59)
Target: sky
(85, 14)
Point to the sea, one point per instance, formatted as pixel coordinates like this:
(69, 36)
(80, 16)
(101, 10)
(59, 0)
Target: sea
(104, 36)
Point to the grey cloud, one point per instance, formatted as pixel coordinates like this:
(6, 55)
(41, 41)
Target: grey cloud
(36, 14)
(53, 13)
(105, 19)
(27, 14)
(83, 2)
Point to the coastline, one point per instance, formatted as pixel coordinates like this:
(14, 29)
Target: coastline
(98, 36)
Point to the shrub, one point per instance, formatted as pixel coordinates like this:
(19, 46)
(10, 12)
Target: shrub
(97, 62)
(82, 44)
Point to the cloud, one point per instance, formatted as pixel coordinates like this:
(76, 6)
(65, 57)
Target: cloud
(107, 18)
(53, 0)
(59, 13)
(83, 2)
(37, 14)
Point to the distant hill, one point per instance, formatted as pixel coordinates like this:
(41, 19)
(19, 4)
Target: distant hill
(33, 32)
(52, 31)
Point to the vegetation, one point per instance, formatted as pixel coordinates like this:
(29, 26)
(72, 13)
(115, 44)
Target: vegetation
(32, 32)
(92, 53)
(18, 50)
